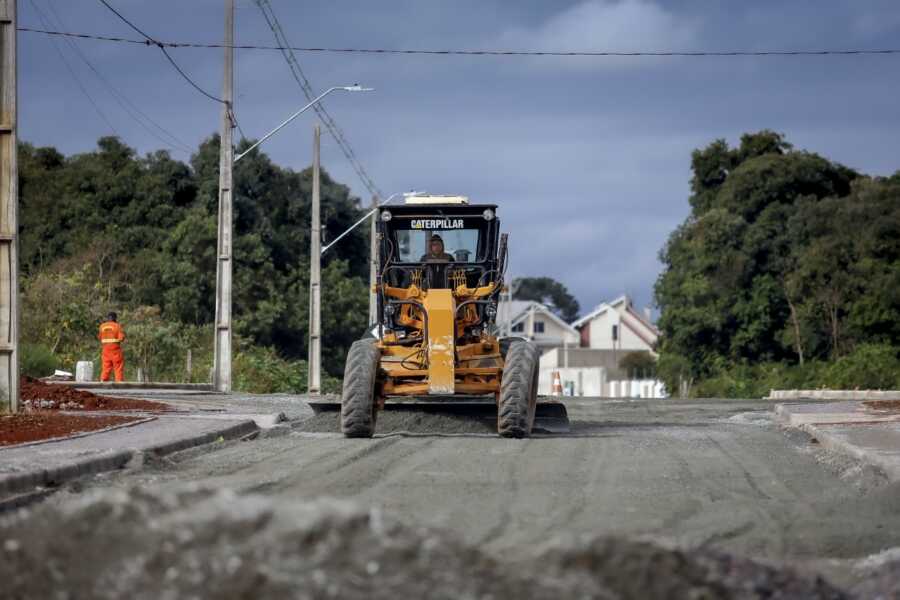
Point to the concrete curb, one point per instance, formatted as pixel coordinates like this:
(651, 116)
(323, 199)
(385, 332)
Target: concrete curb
(844, 428)
(840, 445)
(235, 431)
(833, 395)
(134, 385)
(22, 483)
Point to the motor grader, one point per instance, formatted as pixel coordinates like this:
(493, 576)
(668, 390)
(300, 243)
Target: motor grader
(435, 347)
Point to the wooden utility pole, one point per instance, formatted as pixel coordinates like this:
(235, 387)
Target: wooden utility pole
(9, 213)
(315, 279)
(373, 263)
(222, 350)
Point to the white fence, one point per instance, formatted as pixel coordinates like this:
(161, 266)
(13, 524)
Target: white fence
(592, 382)
(637, 388)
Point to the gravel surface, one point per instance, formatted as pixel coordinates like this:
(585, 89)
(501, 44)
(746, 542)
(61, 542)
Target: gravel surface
(405, 421)
(687, 492)
(201, 543)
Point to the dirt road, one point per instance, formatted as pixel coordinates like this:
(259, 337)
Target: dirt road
(697, 474)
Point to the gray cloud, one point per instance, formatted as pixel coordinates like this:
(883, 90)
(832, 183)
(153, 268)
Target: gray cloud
(588, 158)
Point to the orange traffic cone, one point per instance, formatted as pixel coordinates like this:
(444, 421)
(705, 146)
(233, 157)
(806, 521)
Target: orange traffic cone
(556, 388)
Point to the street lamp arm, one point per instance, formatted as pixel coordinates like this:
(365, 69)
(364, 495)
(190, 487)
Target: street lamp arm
(346, 88)
(360, 221)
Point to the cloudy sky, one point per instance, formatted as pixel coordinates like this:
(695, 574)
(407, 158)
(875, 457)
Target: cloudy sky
(589, 158)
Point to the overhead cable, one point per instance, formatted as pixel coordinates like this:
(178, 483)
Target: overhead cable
(145, 121)
(560, 53)
(149, 40)
(330, 124)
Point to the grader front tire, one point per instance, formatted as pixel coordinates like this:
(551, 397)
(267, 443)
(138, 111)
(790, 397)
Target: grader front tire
(518, 391)
(359, 408)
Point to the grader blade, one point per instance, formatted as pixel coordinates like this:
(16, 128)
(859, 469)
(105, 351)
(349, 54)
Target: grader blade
(550, 417)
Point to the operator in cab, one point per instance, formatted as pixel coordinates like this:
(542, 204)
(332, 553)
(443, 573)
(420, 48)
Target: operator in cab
(436, 251)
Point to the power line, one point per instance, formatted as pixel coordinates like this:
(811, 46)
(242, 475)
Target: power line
(162, 46)
(559, 53)
(81, 85)
(161, 134)
(330, 124)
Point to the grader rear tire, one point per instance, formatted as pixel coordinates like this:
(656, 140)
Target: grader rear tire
(358, 407)
(518, 391)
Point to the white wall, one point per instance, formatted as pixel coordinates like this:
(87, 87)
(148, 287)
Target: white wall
(601, 333)
(587, 381)
(553, 333)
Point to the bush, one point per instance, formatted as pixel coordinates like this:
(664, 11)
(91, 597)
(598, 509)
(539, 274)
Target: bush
(868, 367)
(638, 365)
(37, 360)
(257, 370)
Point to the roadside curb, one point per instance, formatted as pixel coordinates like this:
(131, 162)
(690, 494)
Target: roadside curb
(843, 428)
(840, 445)
(235, 431)
(26, 483)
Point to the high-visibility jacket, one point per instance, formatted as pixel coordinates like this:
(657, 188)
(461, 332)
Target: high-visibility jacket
(111, 333)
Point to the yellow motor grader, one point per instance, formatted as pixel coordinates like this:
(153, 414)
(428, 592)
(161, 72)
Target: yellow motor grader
(436, 349)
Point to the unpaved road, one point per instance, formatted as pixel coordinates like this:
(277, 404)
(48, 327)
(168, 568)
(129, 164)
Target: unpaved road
(712, 474)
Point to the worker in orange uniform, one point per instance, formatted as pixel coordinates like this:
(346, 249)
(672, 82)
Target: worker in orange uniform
(111, 337)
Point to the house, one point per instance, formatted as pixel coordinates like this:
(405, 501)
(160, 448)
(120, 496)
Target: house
(617, 326)
(537, 322)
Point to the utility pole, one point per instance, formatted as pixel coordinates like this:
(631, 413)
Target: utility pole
(222, 350)
(9, 213)
(373, 263)
(315, 279)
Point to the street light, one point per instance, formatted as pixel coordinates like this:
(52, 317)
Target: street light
(364, 217)
(346, 88)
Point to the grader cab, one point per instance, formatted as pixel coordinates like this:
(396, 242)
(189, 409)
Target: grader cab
(440, 276)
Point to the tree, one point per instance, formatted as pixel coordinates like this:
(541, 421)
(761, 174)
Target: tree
(729, 291)
(143, 230)
(547, 291)
(638, 365)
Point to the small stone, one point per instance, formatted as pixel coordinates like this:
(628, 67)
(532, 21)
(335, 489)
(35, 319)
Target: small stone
(11, 545)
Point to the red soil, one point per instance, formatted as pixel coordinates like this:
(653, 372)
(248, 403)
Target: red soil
(885, 405)
(37, 395)
(32, 427)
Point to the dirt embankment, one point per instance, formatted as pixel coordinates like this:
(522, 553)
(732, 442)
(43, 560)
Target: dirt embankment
(45, 425)
(47, 412)
(203, 543)
(38, 395)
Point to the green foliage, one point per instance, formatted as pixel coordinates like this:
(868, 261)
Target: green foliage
(36, 360)
(262, 371)
(550, 292)
(259, 370)
(109, 229)
(786, 259)
(868, 367)
(638, 365)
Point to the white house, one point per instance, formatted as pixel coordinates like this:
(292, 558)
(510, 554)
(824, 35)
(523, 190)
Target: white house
(537, 322)
(617, 326)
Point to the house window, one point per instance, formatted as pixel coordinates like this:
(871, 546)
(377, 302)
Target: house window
(518, 328)
(539, 327)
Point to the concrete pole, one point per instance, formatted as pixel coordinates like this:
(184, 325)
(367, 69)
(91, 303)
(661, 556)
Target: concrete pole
(315, 279)
(222, 350)
(9, 213)
(373, 264)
